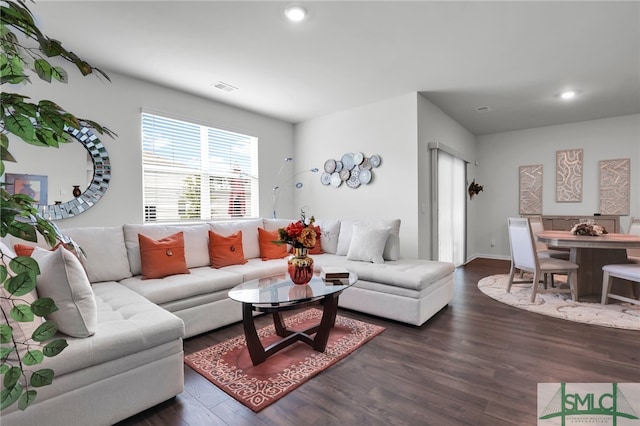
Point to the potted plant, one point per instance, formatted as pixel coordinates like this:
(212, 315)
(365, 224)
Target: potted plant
(26, 50)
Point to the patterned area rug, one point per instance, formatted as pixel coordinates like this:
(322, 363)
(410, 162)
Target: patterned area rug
(614, 314)
(228, 365)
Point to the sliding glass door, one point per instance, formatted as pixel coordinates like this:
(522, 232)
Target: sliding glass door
(451, 209)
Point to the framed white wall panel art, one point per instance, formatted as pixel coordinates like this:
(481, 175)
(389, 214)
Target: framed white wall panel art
(531, 189)
(569, 176)
(614, 186)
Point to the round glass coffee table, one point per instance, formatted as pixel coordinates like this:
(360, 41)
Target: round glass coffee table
(277, 294)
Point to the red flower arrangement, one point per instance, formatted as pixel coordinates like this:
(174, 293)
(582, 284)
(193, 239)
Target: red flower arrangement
(299, 234)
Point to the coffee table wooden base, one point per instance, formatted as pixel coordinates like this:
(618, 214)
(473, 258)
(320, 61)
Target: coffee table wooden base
(259, 353)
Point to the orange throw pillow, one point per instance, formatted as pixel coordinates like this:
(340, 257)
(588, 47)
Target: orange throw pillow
(27, 250)
(163, 257)
(268, 249)
(317, 249)
(23, 249)
(226, 251)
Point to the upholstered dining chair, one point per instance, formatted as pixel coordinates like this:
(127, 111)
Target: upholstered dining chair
(629, 272)
(525, 258)
(541, 248)
(633, 255)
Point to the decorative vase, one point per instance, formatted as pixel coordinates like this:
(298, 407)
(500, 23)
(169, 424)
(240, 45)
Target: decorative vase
(76, 191)
(28, 190)
(300, 266)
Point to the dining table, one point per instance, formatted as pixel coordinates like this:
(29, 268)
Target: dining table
(591, 253)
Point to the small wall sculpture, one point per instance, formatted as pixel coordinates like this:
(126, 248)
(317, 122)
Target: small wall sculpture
(353, 169)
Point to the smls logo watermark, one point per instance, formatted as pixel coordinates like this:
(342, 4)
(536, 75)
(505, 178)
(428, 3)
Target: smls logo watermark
(574, 404)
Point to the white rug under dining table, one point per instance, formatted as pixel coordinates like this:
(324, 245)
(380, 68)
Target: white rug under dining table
(560, 305)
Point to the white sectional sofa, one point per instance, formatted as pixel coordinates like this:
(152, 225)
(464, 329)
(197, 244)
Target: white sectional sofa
(135, 360)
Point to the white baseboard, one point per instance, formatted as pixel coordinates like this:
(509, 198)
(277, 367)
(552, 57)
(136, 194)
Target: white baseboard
(488, 256)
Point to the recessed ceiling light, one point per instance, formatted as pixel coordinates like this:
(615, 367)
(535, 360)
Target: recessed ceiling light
(569, 94)
(295, 13)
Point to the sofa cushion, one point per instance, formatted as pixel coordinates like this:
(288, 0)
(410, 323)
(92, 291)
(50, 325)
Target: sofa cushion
(226, 251)
(105, 254)
(62, 278)
(367, 244)
(269, 249)
(274, 224)
(202, 280)
(330, 231)
(258, 268)
(392, 246)
(413, 274)
(127, 324)
(196, 242)
(163, 257)
(249, 229)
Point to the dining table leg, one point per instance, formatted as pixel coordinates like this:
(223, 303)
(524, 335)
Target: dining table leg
(590, 262)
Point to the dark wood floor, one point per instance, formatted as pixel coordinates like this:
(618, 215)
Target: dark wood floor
(477, 362)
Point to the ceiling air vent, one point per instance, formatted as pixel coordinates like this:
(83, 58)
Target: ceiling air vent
(224, 86)
(484, 108)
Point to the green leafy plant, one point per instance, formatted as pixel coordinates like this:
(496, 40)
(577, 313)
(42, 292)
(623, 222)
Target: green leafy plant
(26, 50)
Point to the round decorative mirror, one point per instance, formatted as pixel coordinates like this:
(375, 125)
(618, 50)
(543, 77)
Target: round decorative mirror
(98, 185)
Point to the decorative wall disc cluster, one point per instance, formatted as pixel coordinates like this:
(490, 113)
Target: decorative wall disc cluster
(354, 169)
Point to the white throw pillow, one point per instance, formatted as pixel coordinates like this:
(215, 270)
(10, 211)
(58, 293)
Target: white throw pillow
(62, 278)
(392, 245)
(345, 236)
(367, 244)
(330, 229)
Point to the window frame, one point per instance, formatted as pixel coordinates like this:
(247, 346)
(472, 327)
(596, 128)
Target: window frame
(180, 169)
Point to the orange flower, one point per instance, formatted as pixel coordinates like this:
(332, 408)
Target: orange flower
(308, 237)
(298, 234)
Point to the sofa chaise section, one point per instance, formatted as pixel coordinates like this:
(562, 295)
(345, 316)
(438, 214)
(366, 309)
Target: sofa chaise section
(133, 362)
(406, 290)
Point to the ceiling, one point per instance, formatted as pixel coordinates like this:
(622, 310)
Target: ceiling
(514, 57)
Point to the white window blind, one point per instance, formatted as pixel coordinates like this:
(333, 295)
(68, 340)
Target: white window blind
(193, 172)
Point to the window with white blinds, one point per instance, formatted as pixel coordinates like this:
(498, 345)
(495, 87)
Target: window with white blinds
(193, 172)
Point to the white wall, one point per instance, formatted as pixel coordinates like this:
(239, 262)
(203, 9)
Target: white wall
(117, 105)
(387, 128)
(436, 126)
(500, 155)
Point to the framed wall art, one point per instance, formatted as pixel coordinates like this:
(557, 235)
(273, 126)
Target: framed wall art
(569, 175)
(531, 189)
(614, 186)
(35, 186)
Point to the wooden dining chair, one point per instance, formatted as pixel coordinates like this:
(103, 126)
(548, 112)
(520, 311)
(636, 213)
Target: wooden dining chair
(629, 272)
(633, 254)
(525, 258)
